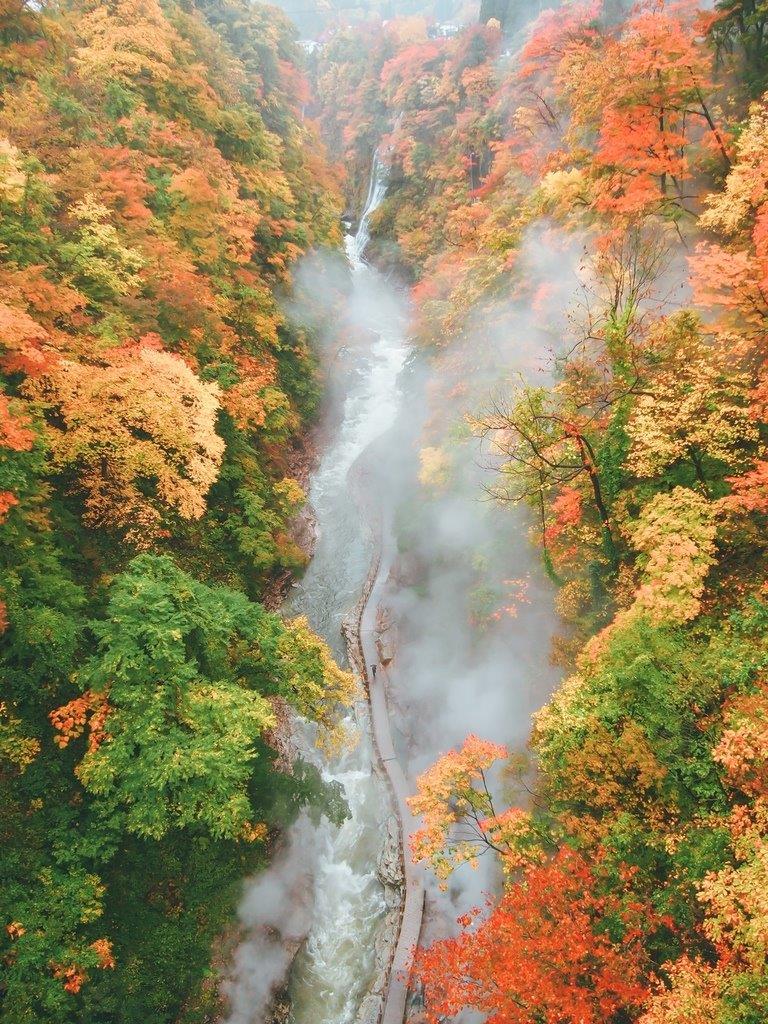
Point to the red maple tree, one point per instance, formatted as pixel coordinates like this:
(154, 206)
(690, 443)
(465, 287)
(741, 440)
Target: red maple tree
(546, 954)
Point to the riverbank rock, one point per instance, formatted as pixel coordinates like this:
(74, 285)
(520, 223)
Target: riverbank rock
(390, 864)
(390, 872)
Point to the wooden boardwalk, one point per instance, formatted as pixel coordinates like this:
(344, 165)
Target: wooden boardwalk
(413, 905)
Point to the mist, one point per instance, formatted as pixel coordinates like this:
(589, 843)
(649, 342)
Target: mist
(360, 320)
(467, 621)
(275, 915)
(468, 615)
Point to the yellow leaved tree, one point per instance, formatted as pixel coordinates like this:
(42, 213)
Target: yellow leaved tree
(136, 432)
(675, 536)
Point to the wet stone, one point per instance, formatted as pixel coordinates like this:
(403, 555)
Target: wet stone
(390, 864)
(370, 1010)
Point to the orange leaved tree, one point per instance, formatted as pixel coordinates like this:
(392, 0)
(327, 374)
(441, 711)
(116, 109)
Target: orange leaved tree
(553, 951)
(137, 434)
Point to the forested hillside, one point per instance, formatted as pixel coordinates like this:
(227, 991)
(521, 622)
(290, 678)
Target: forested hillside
(590, 181)
(617, 152)
(158, 181)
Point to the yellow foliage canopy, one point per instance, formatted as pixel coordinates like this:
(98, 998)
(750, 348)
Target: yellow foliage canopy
(138, 434)
(675, 535)
(696, 405)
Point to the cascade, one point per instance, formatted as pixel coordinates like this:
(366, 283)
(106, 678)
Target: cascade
(377, 189)
(334, 969)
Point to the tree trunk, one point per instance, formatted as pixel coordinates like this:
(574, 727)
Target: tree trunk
(699, 470)
(588, 461)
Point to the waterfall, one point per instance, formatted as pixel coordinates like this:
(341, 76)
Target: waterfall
(377, 190)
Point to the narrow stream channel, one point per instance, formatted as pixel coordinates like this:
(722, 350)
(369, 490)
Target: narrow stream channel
(460, 598)
(334, 968)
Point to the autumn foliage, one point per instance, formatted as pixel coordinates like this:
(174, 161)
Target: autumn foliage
(143, 415)
(543, 953)
(592, 185)
(159, 182)
(597, 189)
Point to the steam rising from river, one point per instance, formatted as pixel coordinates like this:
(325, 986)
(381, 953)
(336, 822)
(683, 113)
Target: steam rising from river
(470, 606)
(468, 612)
(276, 913)
(326, 883)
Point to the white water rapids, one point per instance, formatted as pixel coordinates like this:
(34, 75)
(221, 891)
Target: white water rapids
(326, 876)
(334, 969)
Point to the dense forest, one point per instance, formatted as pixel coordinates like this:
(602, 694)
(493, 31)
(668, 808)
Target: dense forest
(625, 145)
(157, 183)
(590, 180)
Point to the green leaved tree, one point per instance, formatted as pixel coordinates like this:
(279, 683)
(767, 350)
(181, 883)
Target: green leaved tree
(184, 682)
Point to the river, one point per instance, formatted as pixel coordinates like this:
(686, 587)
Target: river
(334, 969)
(457, 669)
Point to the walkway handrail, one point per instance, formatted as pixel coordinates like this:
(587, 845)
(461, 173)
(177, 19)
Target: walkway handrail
(412, 907)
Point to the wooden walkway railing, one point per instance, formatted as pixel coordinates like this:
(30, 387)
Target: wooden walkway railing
(365, 654)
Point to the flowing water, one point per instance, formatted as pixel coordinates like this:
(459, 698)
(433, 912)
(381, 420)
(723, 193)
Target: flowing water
(470, 618)
(335, 966)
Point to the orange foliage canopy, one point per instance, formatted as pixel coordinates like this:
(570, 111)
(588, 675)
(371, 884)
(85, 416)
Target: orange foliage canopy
(446, 796)
(70, 720)
(21, 342)
(542, 956)
(14, 430)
